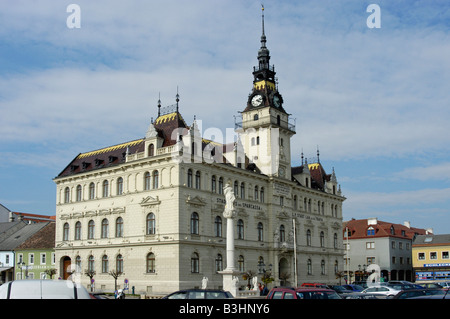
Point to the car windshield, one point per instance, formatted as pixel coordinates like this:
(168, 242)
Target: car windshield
(317, 295)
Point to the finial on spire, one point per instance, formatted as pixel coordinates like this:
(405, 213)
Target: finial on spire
(159, 104)
(318, 159)
(177, 98)
(262, 7)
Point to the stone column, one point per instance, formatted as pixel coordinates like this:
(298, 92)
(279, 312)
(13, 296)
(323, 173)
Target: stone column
(230, 274)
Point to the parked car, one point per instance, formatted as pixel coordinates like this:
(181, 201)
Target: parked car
(382, 290)
(302, 293)
(314, 285)
(431, 285)
(360, 295)
(199, 294)
(445, 284)
(341, 289)
(354, 287)
(361, 283)
(43, 289)
(408, 284)
(407, 294)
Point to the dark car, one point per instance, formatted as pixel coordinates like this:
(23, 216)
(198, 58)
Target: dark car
(354, 287)
(199, 294)
(302, 293)
(341, 289)
(407, 294)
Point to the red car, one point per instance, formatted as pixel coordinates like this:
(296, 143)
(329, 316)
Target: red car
(302, 293)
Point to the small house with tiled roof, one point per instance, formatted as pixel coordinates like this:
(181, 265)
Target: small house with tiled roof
(372, 243)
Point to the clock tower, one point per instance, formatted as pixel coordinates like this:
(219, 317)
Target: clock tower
(265, 131)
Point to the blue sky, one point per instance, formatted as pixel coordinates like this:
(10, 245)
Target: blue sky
(375, 101)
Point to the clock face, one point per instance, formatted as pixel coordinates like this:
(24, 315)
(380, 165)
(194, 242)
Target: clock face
(276, 101)
(257, 100)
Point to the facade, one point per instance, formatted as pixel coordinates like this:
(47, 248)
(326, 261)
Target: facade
(370, 242)
(12, 235)
(36, 256)
(431, 259)
(152, 208)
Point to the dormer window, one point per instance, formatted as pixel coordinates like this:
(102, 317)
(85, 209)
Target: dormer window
(85, 165)
(112, 159)
(370, 231)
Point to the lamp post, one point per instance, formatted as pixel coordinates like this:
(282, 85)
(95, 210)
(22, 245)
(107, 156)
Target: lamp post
(20, 264)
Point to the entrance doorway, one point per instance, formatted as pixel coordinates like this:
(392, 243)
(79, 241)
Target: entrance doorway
(66, 267)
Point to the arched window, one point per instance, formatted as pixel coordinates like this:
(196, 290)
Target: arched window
(91, 263)
(77, 230)
(236, 188)
(322, 267)
(79, 193)
(151, 224)
(91, 229)
(155, 179)
(195, 263)
(335, 242)
(243, 190)
(219, 263)
(119, 227)
(105, 228)
(147, 181)
(308, 237)
(261, 195)
(309, 267)
(66, 231)
(78, 262)
(189, 178)
(322, 239)
(218, 226)
(150, 263)
(119, 186)
(260, 232)
(67, 195)
(194, 223)
(119, 263)
(295, 202)
(197, 180)
(255, 117)
(105, 264)
(260, 265)
(91, 191)
(256, 193)
(105, 188)
(151, 150)
(240, 229)
(282, 234)
(213, 183)
(220, 185)
(241, 263)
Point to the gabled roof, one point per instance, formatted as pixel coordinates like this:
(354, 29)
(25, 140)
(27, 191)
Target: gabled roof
(317, 172)
(42, 239)
(358, 229)
(101, 158)
(432, 240)
(20, 236)
(166, 124)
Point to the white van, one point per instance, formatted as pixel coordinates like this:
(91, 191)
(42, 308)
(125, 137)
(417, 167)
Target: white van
(43, 289)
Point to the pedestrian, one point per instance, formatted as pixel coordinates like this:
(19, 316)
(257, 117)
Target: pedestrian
(264, 291)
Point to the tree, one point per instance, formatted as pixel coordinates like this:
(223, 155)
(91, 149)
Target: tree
(50, 272)
(90, 274)
(115, 274)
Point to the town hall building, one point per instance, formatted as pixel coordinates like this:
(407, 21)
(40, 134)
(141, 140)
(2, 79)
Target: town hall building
(151, 209)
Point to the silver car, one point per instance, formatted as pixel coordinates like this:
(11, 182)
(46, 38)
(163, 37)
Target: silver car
(43, 289)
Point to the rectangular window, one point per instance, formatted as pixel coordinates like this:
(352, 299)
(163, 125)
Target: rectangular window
(445, 255)
(43, 258)
(370, 245)
(433, 255)
(421, 256)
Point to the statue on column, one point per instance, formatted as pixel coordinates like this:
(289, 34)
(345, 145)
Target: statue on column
(229, 211)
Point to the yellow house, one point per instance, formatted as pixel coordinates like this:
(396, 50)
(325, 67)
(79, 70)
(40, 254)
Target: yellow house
(431, 258)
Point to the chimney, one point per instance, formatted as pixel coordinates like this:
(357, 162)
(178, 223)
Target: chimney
(407, 224)
(372, 221)
(11, 217)
(429, 231)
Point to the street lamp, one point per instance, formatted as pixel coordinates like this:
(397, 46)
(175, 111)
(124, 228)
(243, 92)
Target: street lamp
(20, 264)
